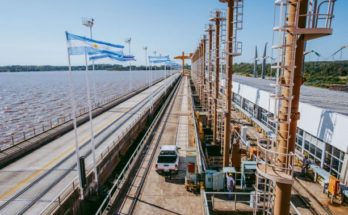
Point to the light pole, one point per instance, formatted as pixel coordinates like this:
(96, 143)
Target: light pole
(89, 22)
(129, 41)
(151, 109)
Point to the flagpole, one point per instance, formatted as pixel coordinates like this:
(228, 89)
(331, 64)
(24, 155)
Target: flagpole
(129, 40)
(91, 120)
(93, 68)
(73, 105)
(151, 82)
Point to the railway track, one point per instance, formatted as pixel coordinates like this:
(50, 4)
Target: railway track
(141, 165)
(302, 205)
(116, 124)
(305, 202)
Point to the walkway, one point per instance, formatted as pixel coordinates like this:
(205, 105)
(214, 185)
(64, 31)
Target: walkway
(159, 194)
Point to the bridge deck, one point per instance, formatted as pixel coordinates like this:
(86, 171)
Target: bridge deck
(32, 182)
(160, 194)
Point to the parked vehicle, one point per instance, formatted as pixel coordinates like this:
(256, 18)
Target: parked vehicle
(168, 159)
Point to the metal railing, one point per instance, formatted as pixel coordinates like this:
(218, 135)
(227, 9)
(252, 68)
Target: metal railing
(18, 137)
(202, 163)
(56, 202)
(232, 201)
(268, 155)
(132, 159)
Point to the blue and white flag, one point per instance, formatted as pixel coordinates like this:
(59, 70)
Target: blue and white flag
(159, 59)
(172, 63)
(114, 57)
(78, 45)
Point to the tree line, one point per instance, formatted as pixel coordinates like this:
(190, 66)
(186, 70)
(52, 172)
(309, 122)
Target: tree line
(327, 74)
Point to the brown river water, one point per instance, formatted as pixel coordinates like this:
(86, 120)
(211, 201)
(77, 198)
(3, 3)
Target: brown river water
(34, 99)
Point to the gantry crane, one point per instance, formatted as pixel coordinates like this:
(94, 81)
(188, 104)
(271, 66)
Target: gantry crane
(183, 57)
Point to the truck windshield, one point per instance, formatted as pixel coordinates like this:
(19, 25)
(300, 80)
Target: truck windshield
(167, 153)
(166, 159)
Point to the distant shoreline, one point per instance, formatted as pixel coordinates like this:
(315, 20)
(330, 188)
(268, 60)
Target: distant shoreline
(47, 68)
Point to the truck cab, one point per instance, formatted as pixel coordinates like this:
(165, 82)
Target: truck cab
(168, 159)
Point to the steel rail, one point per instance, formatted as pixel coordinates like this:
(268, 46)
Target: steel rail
(171, 99)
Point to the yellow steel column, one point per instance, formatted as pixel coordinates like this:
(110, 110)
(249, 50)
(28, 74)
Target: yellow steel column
(287, 131)
(204, 96)
(228, 89)
(210, 69)
(217, 20)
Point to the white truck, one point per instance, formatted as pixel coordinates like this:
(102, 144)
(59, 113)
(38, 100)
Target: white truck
(168, 159)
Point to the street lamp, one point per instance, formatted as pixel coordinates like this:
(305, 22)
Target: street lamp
(151, 83)
(89, 22)
(129, 41)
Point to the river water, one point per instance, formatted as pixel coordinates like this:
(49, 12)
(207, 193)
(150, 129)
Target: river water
(30, 99)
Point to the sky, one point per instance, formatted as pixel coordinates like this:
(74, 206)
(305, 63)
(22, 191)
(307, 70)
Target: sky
(32, 32)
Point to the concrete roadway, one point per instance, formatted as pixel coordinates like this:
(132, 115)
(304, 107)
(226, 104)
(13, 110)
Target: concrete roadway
(44, 173)
(160, 195)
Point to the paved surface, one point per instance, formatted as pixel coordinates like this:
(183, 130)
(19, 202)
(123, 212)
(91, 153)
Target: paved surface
(37, 178)
(161, 195)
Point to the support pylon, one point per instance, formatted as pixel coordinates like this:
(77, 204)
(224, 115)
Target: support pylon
(298, 22)
(287, 131)
(217, 19)
(203, 84)
(210, 70)
(228, 89)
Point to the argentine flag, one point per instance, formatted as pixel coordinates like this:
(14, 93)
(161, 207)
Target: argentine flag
(159, 59)
(78, 45)
(113, 57)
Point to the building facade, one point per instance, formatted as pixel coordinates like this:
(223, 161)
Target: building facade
(322, 132)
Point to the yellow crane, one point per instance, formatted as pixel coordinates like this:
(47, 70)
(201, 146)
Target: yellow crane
(183, 57)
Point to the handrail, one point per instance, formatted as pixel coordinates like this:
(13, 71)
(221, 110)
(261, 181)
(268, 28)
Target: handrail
(19, 137)
(50, 207)
(270, 158)
(203, 165)
(126, 167)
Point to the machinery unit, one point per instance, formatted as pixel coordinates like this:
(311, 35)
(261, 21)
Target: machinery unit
(248, 178)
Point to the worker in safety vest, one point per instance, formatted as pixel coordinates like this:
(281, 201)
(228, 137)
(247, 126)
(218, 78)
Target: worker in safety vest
(230, 184)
